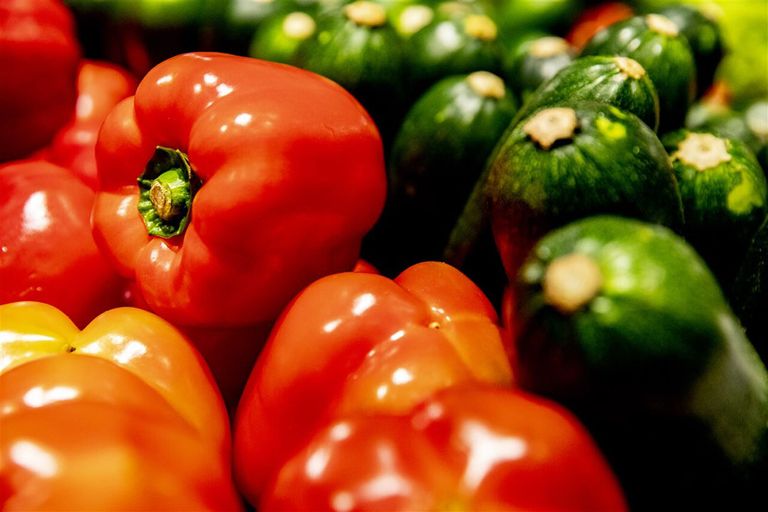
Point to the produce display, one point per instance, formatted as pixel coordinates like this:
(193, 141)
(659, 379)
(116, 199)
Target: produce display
(383, 255)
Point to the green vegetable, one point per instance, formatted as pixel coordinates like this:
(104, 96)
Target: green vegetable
(279, 37)
(704, 38)
(724, 194)
(617, 81)
(451, 45)
(657, 44)
(357, 47)
(531, 62)
(565, 163)
(438, 154)
(623, 323)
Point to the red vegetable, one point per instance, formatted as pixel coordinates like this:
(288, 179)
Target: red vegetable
(122, 415)
(464, 449)
(356, 342)
(255, 179)
(594, 19)
(39, 55)
(100, 86)
(47, 252)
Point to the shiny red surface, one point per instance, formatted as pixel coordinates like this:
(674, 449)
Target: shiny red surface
(476, 448)
(39, 55)
(292, 172)
(47, 251)
(357, 342)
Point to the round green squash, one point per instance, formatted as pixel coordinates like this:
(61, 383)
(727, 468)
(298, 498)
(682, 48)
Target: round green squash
(438, 154)
(533, 61)
(451, 45)
(724, 194)
(564, 163)
(657, 44)
(618, 81)
(704, 37)
(622, 322)
(279, 37)
(357, 47)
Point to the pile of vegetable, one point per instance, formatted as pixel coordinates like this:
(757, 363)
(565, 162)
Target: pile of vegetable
(383, 255)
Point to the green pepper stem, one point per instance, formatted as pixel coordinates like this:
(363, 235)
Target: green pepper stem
(166, 189)
(169, 193)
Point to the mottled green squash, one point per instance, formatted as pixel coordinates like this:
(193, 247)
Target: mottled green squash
(564, 163)
(533, 61)
(657, 44)
(704, 38)
(451, 45)
(438, 154)
(279, 37)
(357, 47)
(622, 322)
(618, 81)
(724, 194)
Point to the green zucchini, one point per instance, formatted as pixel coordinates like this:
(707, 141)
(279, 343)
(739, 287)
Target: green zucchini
(438, 154)
(452, 45)
(279, 37)
(704, 38)
(531, 62)
(622, 322)
(563, 163)
(657, 44)
(550, 15)
(408, 18)
(357, 47)
(618, 81)
(749, 294)
(724, 194)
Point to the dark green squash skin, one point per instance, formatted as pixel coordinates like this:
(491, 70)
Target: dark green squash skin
(749, 294)
(704, 38)
(526, 72)
(438, 154)
(598, 78)
(443, 48)
(723, 205)
(272, 42)
(613, 164)
(672, 71)
(655, 365)
(721, 121)
(367, 61)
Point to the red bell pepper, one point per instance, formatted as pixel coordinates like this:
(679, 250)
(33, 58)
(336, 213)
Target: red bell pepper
(122, 415)
(100, 86)
(593, 19)
(39, 55)
(357, 342)
(254, 179)
(47, 251)
(463, 449)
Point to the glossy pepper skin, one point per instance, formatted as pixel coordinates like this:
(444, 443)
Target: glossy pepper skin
(39, 56)
(289, 175)
(121, 415)
(100, 86)
(466, 448)
(362, 343)
(47, 251)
